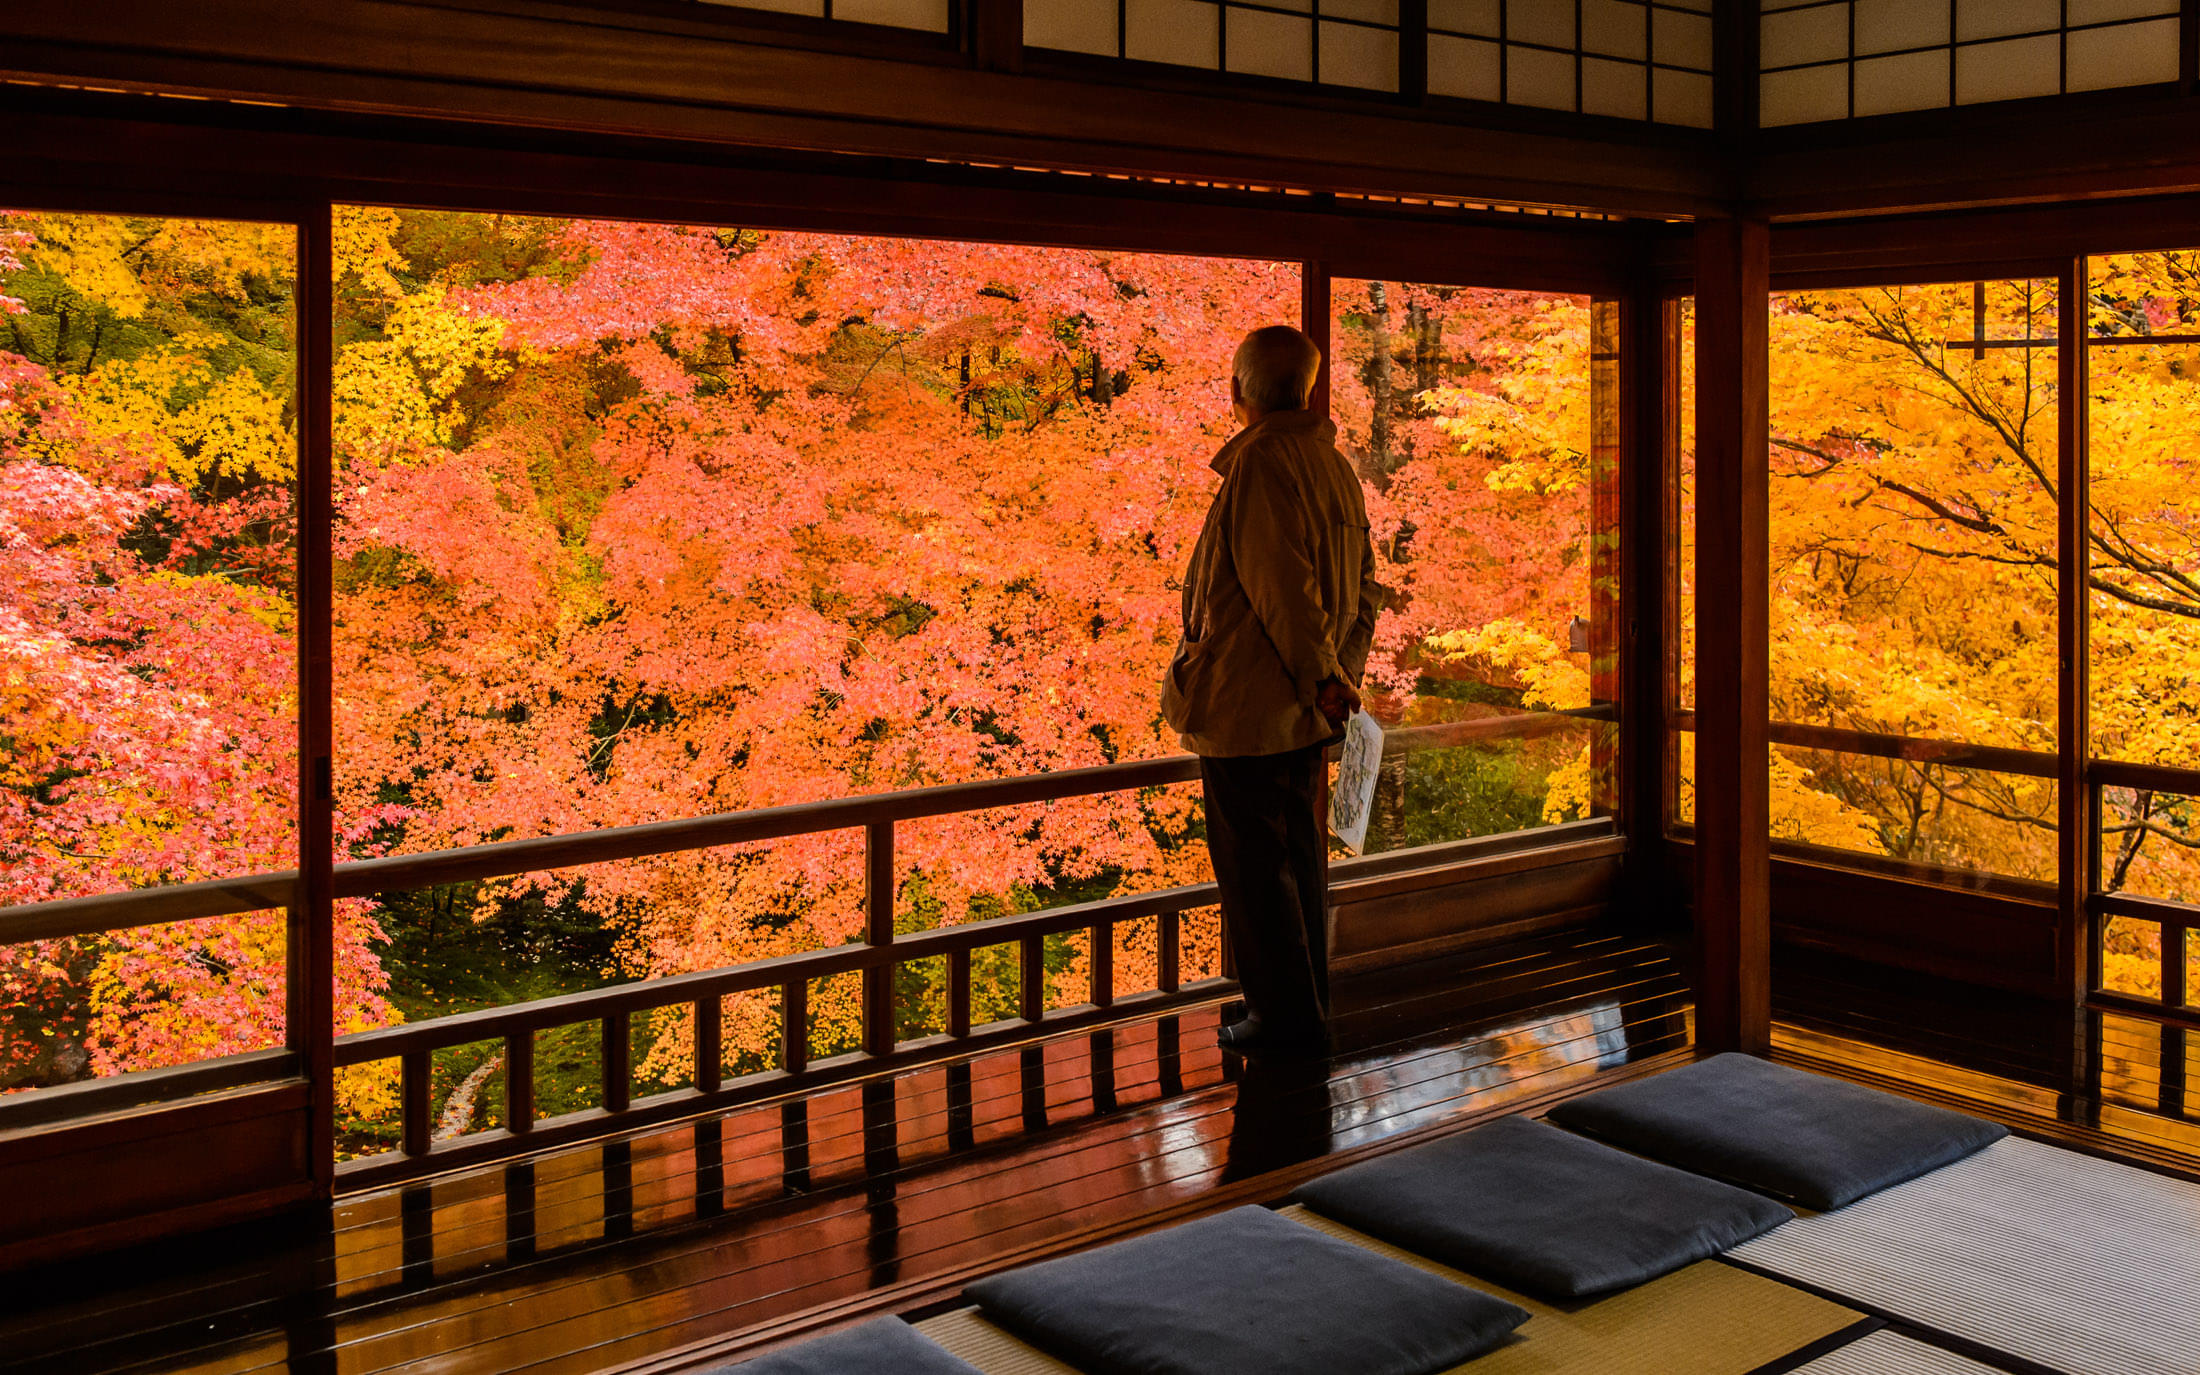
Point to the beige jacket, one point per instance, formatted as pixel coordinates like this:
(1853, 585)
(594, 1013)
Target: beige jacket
(1280, 594)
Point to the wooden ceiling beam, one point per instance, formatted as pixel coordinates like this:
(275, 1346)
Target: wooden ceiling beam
(2062, 149)
(568, 67)
(80, 150)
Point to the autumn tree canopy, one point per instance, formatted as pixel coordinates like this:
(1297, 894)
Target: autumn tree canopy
(637, 521)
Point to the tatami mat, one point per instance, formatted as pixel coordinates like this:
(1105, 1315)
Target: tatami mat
(964, 1333)
(1709, 1319)
(1889, 1353)
(2073, 1263)
(1704, 1320)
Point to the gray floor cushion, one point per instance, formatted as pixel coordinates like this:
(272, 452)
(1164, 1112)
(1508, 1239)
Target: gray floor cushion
(1244, 1293)
(883, 1346)
(1820, 1141)
(1541, 1210)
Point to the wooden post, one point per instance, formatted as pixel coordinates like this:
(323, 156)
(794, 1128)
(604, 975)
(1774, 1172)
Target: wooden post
(1735, 62)
(310, 959)
(958, 993)
(415, 1103)
(1609, 601)
(2077, 812)
(618, 1067)
(519, 1082)
(794, 1026)
(709, 1030)
(1102, 964)
(1733, 801)
(1413, 51)
(1032, 978)
(995, 34)
(1649, 478)
(878, 913)
(1314, 322)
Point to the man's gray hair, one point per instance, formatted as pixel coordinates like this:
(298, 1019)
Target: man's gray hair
(1275, 368)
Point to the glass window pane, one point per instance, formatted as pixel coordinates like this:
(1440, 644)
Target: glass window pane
(640, 521)
(1471, 414)
(2150, 844)
(148, 628)
(2145, 493)
(1913, 529)
(1913, 515)
(2131, 957)
(1931, 814)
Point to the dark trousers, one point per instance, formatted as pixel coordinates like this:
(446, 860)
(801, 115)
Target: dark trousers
(1271, 860)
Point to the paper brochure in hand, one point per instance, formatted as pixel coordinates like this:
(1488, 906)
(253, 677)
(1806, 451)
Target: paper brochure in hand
(1353, 797)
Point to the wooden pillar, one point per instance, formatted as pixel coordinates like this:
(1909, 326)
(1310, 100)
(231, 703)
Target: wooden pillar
(2077, 809)
(1733, 819)
(1648, 490)
(312, 931)
(994, 34)
(1735, 62)
(1314, 322)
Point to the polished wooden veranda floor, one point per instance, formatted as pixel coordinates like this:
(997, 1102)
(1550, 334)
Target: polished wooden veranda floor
(653, 1251)
(894, 1191)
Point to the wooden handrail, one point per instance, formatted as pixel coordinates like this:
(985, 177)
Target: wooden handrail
(501, 859)
(1949, 753)
(644, 995)
(873, 958)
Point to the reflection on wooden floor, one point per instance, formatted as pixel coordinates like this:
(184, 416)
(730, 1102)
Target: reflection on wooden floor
(641, 1247)
(2106, 1083)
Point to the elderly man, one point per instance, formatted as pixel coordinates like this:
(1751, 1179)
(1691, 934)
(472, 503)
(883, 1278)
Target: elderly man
(1279, 609)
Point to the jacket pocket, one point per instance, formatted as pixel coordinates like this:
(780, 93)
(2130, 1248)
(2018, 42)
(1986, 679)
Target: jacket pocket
(1182, 686)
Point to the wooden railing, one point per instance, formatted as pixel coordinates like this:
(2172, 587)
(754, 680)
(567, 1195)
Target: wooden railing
(874, 959)
(2173, 919)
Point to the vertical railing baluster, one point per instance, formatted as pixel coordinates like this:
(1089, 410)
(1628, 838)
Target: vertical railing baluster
(413, 1073)
(1168, 976)
(519, 1082)
(878, 918)
(1227, 960)
(1103, 964)
(1033, 978)
(958, 993)
(708, 1057)
(618, 1078)
(794, 1026)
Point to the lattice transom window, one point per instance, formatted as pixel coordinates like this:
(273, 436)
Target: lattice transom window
(1333, 42)
(1635, 59)
(1839, 59)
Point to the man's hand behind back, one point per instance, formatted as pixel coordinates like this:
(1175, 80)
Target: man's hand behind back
(1336, 699)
